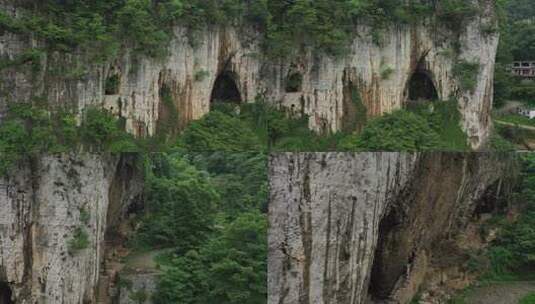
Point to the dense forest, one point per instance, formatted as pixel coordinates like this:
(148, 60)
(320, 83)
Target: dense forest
(517, 43)
(206, 213)
(102, 27)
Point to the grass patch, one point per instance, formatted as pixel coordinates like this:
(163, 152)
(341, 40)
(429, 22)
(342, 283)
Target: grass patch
(529, 299)
(516, 119)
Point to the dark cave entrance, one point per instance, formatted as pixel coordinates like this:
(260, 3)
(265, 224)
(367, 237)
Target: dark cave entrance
(225, 90)
(386, 267)
(294, 83)
(5, 294)
(421, 87)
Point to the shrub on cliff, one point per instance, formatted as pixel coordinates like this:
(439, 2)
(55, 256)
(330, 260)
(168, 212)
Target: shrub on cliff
(218, 131)
(445, 119)
(398, 131)
(102, 131)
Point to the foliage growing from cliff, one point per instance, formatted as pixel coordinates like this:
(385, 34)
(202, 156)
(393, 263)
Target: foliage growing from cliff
(445, 119)
(100, 27)
(398, 131)
(103, 132)
(138, 24)
(466, 74)
(30, 56)
(219, 131)
(30, 130)
(455, 13)
(239, 178)
(79, 241)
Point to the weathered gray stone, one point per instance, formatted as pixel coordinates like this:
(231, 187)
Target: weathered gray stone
(43, 202)
(238, 52)
(332, 214)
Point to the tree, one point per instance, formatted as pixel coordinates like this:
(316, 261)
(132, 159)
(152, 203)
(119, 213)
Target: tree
(398, 131)
(231, 268)
(181, 205)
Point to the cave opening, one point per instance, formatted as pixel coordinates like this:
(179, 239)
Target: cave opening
(112, 85)
(294, 83)
(421, 87)
(382, 278)
(225, 90)
(5, 294)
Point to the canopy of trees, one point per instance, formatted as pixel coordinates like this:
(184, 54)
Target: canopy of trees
(102, 26)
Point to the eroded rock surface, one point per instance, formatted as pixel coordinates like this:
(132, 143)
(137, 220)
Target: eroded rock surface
(351, 228)
(45, 203)
(189, 74)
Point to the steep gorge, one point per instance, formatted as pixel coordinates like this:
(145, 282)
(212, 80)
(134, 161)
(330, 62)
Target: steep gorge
(380, 71)
(373, 227)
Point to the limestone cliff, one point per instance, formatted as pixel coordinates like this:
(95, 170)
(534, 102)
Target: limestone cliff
(357, 228)
(189, 74)
(48, 204)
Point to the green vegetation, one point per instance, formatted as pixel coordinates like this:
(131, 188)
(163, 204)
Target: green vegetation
(139, 297)
(180, 202)
(111, 87)
(79, 241)
(201, 75)
(398, 131)
(294, 83)
(208, 211)
(432, 127)
(529, 299)
(466, 73)
(435, 126)
(511, 254)
(103, 131)
(500, 144)
(30, 56)
(517, 43)
(84, 216)
(29, 130)
(99, 28)
(510, 257)
(219, 131)
(516, 119)
(386, 71)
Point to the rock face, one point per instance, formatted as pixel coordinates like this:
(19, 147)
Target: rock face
(356, 228)
(46, 204)
(377, 72)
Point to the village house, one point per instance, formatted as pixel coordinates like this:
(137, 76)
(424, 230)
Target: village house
(524, 69)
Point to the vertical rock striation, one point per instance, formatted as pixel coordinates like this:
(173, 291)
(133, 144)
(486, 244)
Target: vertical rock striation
(343, 224)
(189, 73)
(46, 204)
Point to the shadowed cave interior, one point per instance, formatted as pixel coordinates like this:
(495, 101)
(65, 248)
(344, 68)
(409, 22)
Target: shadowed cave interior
(421, 87)
(5, 294)
(225, 90)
